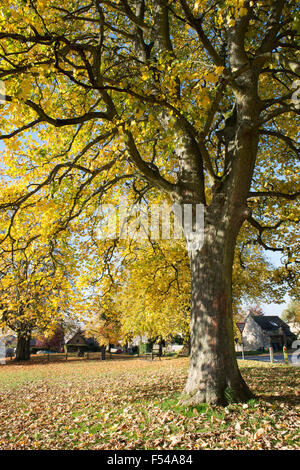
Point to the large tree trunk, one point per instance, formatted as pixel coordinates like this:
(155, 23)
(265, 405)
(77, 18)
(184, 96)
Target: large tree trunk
(23, 346)
(214, 376)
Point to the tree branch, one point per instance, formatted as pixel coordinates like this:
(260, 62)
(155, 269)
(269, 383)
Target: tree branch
(290, 197)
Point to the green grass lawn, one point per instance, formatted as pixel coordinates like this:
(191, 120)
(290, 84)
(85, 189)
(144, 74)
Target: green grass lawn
(133, 404)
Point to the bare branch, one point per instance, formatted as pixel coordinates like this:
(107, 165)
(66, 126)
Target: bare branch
(262, 229)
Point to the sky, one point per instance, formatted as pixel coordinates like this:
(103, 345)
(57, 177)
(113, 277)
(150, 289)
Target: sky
(274, 309)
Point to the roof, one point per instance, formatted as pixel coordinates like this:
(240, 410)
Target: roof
(79, 339)
(271, 323)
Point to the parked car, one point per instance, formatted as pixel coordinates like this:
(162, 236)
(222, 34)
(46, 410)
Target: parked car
(45, 352)
(116, 350)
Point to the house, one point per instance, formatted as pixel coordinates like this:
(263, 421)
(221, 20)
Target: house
(8, 345)
(80, 343)
(261, 332)
(10, 341)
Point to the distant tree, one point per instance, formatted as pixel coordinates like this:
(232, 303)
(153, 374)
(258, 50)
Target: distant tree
(53, 342)
(105, 326)
(256, 310)
(291, 315)
(35, 290)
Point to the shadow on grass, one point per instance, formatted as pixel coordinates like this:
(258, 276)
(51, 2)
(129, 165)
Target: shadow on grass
(267, 381)
(61, 359)
(287, 399)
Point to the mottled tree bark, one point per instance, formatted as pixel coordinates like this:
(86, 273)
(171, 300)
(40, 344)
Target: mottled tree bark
(214, 376)
(23, 346)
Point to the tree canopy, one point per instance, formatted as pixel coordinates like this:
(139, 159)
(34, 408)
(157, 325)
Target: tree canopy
(292, 315)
